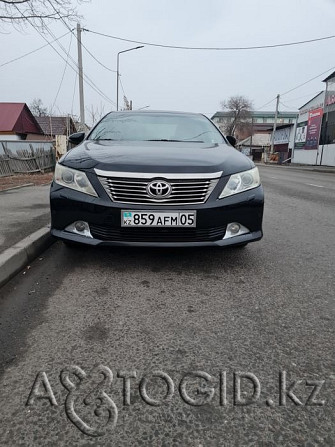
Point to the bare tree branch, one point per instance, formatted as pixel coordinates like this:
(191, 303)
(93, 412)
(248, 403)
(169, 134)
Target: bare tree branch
(37, 108)
(239, 108)
(11, 2)
(19, 13)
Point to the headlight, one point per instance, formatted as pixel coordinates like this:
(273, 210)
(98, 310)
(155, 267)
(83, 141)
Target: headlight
(73, 179)
(241, 182)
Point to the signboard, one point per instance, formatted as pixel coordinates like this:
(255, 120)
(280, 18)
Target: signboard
(330, 98)
(314, 128)
(308, 132)
(300, 135)
(282, 136)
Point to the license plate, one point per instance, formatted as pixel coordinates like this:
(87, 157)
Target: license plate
(158, 218)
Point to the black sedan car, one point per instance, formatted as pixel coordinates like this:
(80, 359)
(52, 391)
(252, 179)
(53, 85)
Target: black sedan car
(146, 178)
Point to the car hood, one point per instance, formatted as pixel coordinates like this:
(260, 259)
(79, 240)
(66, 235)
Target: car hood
(157, 157)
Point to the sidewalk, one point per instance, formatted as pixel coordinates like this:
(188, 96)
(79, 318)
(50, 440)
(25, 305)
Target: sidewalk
(24, 232)
(326, 169)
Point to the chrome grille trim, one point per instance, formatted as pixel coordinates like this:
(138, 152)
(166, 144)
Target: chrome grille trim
(184, 192)
(161, 175)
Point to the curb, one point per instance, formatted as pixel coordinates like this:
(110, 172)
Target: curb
(17, 187)
(309, 168)
(19, 255)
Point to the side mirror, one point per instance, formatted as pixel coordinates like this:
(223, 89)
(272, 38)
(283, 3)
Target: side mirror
(76, 138)
(231, 140)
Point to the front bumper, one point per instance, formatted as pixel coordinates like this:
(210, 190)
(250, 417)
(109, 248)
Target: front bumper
(104, 219)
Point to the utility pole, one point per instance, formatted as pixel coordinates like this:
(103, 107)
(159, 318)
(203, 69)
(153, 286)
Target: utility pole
(252, 132)
(275, 125)
(81, 79)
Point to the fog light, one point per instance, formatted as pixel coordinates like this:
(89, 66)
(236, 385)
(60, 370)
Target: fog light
(234, 228)
(80, 227)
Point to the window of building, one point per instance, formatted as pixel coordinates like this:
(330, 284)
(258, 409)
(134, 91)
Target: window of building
(328, 129)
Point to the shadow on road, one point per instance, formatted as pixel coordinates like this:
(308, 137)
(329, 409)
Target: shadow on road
(159, 259)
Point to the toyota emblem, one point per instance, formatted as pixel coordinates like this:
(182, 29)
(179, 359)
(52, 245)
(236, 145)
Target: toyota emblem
(159, 189)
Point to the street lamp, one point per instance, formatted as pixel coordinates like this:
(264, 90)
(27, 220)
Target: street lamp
(118, 73)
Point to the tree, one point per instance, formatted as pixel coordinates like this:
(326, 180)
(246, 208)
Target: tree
(38, 12)
(239, 118)
(95, 113)
(37, 108)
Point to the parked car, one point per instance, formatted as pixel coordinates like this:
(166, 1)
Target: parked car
(147, 178)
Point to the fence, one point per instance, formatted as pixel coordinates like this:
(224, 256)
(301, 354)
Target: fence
(26, 157)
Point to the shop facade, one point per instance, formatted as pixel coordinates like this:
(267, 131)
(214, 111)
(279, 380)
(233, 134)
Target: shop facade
(314, 142)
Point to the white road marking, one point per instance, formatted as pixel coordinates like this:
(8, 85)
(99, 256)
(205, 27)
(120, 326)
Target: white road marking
(317, 186)
(273, 177)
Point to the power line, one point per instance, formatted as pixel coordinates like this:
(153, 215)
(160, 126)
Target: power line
(264, 105)
(34, 51)
(122, 87)
(87, 80)
(298, 86)
(86, 49)
(179, 47)
(85, 76)
(304, 96)
(310, 80)
(97, 60)
(62, 78)
(74, 92)
(287, 107)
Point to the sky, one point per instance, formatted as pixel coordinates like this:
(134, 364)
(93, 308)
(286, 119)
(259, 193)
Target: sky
(173, 79)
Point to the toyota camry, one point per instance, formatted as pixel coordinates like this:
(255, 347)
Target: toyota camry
(147, 178)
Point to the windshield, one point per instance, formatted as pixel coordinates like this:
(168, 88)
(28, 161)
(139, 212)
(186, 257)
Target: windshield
(147, 126)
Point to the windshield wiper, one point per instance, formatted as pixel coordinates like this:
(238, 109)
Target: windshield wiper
(176, 141)
(165, 139)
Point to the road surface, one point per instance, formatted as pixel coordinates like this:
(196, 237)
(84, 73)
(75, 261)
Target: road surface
(23, 211)
(252, 325)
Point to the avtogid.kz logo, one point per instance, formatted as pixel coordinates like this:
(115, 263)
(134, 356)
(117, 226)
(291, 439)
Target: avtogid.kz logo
(88, 390)
(90, 407)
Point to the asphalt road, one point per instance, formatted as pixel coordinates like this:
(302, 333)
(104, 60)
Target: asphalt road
(266, 310)
(23, 211)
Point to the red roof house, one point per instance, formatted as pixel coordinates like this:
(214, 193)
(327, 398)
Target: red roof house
(17, 122)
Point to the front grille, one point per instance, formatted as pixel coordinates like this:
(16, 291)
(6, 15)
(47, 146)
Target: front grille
(134, 190)
(106, 233)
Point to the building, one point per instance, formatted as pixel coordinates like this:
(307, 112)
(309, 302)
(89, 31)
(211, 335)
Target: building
(254, 146)
(17, 122)
(258, 122)
(306, 152)
(314, 142)
(58, 129)
(283, 142)
(326, 150)
(56, 125)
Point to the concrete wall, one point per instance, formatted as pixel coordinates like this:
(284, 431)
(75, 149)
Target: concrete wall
(304, 157)
(313, 157)
(328, 156)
